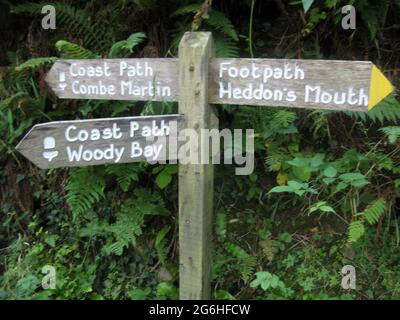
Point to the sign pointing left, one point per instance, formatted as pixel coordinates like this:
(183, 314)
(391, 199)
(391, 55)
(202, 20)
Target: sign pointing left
(99, 141)
(115, 79)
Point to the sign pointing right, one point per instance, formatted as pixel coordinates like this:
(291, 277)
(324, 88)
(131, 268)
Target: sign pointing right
(311, 84)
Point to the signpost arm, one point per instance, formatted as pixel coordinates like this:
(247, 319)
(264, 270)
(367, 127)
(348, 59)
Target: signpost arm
(195, 180)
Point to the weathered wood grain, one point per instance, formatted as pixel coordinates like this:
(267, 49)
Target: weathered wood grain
(100, 75)
(117, 134)
(195, 180)
(331, 76)
(330, 84)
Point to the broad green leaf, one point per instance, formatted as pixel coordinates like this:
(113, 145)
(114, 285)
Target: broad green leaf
(330, 172)
(163, 179)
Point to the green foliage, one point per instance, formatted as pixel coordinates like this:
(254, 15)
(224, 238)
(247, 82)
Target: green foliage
(225, 35)
(164, 175)
(323, 193)
(130, 220)
(386, 110)
(221, 22)
(167, 290)
(356, 230)
(75, 21)
(35, 63)
(392, 133)
(295, 187)
(245, 262)
(70, 50)
(266, 280)
(160, 244)
(373, 15)
(372, 213)
(125, 174)
(124, 48)
(84, 188)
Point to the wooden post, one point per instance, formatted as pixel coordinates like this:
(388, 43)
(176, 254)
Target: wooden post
(195, 180)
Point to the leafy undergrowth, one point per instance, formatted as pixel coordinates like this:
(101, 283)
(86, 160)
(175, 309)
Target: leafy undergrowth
(324, 193)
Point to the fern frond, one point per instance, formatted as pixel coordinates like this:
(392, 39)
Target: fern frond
(387, 110)
(11, 99)
(126, 174)
(226, 47)
(130, 219)
(235, 250)
(127, 227)
(246, 267)
(84, 188)
(160, 244)
(35, 63)
(17, 80)
(392, 133)
(221, 22)
(269, 248)
(246, 263)
(254, 117)
(283, 118)
(124, 48)
(375, 210)
(76, 21)
(276, 157)
(355, 231)
(71, 50)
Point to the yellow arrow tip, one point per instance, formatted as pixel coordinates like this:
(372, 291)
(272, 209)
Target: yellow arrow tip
(380, 87)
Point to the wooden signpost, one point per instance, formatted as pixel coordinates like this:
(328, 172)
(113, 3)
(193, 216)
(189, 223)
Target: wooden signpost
(195, 80)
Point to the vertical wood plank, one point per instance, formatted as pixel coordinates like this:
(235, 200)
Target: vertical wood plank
(195, 180)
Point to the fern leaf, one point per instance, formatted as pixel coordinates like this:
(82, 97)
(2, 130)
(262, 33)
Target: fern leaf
(387, 110)
(375, 210)
(35, 63)
(283, 118)
(124, 48)
(247, 267)
(84, 188)
(76, 21)
(269, 248)
(392, 133)
(221, 22)
(130, 219)
(160, 244)
(15, 97)
(355, 231)
(126, 174)
(71, 50)
(226, 47)
(127, 227)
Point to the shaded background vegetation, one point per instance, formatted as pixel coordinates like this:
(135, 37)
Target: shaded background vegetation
(325, 191)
